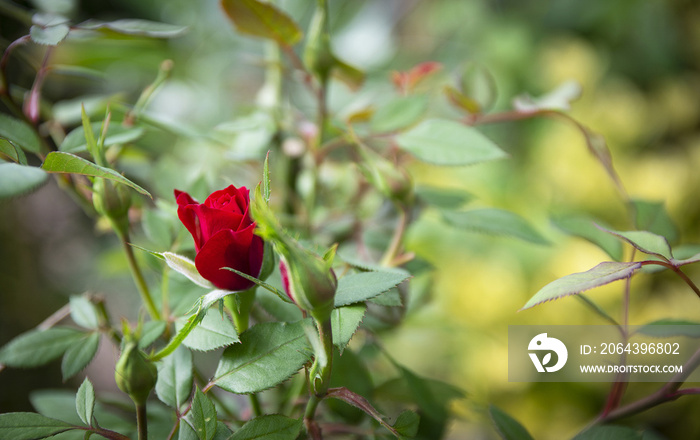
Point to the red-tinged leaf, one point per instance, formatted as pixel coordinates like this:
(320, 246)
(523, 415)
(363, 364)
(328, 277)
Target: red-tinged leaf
(262, 19)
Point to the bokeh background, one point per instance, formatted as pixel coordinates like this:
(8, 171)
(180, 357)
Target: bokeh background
(637, 61)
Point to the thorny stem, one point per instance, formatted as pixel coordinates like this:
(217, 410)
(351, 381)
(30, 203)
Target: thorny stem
(139, 279)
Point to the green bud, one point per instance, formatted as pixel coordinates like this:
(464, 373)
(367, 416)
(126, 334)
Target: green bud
(112, 201)
(393, 182)
(318, 56)
(134, 374)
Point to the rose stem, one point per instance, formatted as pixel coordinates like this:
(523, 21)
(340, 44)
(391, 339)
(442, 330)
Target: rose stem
(138, 278)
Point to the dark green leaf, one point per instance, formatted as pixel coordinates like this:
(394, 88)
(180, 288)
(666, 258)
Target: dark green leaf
(37, 347)
(349, 371)
(586, 228)
(269, 353)
(646, 242)
(444, 142)
(19, 133)
(85, 402)
(12, 151)
(609, 432)
(79, 355)
(602, 274)
(262, 19)
(175, 376)
(399, 113)
(30, 426)
(202, 416)
(215, 331)
(362, 286)
(345, 322)
(664, 328)
(269, 427)
(407, 424)
(16, 179)
(83, 312)
(652, 217)
(75, 141)
(507, 426)
(445, 198)
(138, 27)
(494, 221)
(59, 162)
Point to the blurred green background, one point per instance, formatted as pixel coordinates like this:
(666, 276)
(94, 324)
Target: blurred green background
(637, 61)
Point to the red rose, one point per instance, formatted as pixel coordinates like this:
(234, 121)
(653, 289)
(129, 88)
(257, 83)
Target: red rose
(223, 236)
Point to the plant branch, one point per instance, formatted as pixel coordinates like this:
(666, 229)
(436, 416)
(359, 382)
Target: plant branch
(139, 279)
(391, 253)
(142, 421)
(678, 272)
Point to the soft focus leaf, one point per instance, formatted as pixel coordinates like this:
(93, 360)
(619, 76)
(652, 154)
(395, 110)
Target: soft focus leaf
(406, 424)
(609, 432)
(362, 286)
(83, 312)
(59, 162)
(443, 142)
(508, 428)
(12, 151)
(269, 353)
(586, 228)
(558, 99)
(85, 401)
(653, 217)
(262, 19)
(602, 274)
(664, 328)
(20, 133)
(462, 101)
(49, 35)
(175, 377)
(144, 28)
(38, 347)
(494, 221)
(79, 355)
(646, 242)
(30, 426)
(150, 332)
(215, 331)
(16, 179)
(345, 321)
(350, 75)
(75, 141)
(444, 198)
(269, 427)
(399, 113)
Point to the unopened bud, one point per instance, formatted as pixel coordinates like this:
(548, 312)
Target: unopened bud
(134, 374)
(112, 201)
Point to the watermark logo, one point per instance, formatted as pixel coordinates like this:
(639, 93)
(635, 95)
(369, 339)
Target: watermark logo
(542, 343)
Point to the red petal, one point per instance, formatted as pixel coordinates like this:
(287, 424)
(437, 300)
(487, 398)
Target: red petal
(212, 220)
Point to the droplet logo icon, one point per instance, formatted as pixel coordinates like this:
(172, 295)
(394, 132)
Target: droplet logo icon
(542, 343)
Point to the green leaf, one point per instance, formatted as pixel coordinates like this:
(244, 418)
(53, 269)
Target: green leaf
(399, 113)
(215, 331)
(269, 353)
(37, 347)
(266, 178)
(350, 75)
(350, 371)
(150, 332)
(609, 432)
(175, 376)
(664, 328)
(507, 426)
(645, 241)
(585, 227)
(345, 321)
(262, 19)
(496, 222)
(269, 427)
(362, 286)
(30, 426)
(652, 217)
(85, 401)
(75, 141)
(79, 355)
(12, 151)
(144, 28)
(202, 416)
(390, 298)
(445, 198)
(19, 133)
(16, 179)
(406, 424)
(443, 142)
(186, 267)
(84, 313)
(49, 35)
(59, 162)
(602, 274)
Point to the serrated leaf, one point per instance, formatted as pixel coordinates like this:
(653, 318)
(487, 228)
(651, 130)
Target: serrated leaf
(262, 19)
(85, 401)
(12, 151)
(496, 222)
(609, 432)
(16, 179)
(175, 376)
(186, 267)
(215, 331)
(585, 227)
(399, 113)
(49, 35)
(345, 321)
(269, 353)
(20, 133)
(602, 274)
(508, 428)
(390, 298)
(75, 141)
(269, 427)
(444, 142)
(144, 28)
(202, 416)
(653, 217)
(37, 347)
(558, 99)
(664, 328)
(83, 312)
(79, 355)
(59, 162)
(30, 426)
(445, 198)
(362, 286)
(645, 241)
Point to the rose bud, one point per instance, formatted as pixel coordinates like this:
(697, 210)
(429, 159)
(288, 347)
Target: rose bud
(223, 236)
(112, 201)
(134, 374)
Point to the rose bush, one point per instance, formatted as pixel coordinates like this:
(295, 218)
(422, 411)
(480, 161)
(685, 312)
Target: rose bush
(223, 236)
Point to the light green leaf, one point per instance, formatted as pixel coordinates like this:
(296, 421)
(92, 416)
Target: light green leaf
(79, 355)
(496, 222)
(30, 426)
(585, 227)
(558, 99)
(12, 151)
(646, 242)
(345, 321)
(362, 286)
(85, 401)
(83, 312)
(609, 432)
(16, 179)
(507, 426)
(59, 162)
(202, 416)
(186, 267)
(443, 142)
(269, 353)
(144, 28)
(653, 217)
(215, 331)
(175, 376)
(602, 274)
(445, 198)
(390, 298)
(150, 332)
(49, 35)
(664, 328)
(269, 427)
(20, 133)
(399, 113)
(262, 19)
(37, 347)
(75, 141)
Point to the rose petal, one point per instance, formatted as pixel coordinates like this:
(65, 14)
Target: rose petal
(227, 249)
(211, 221)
